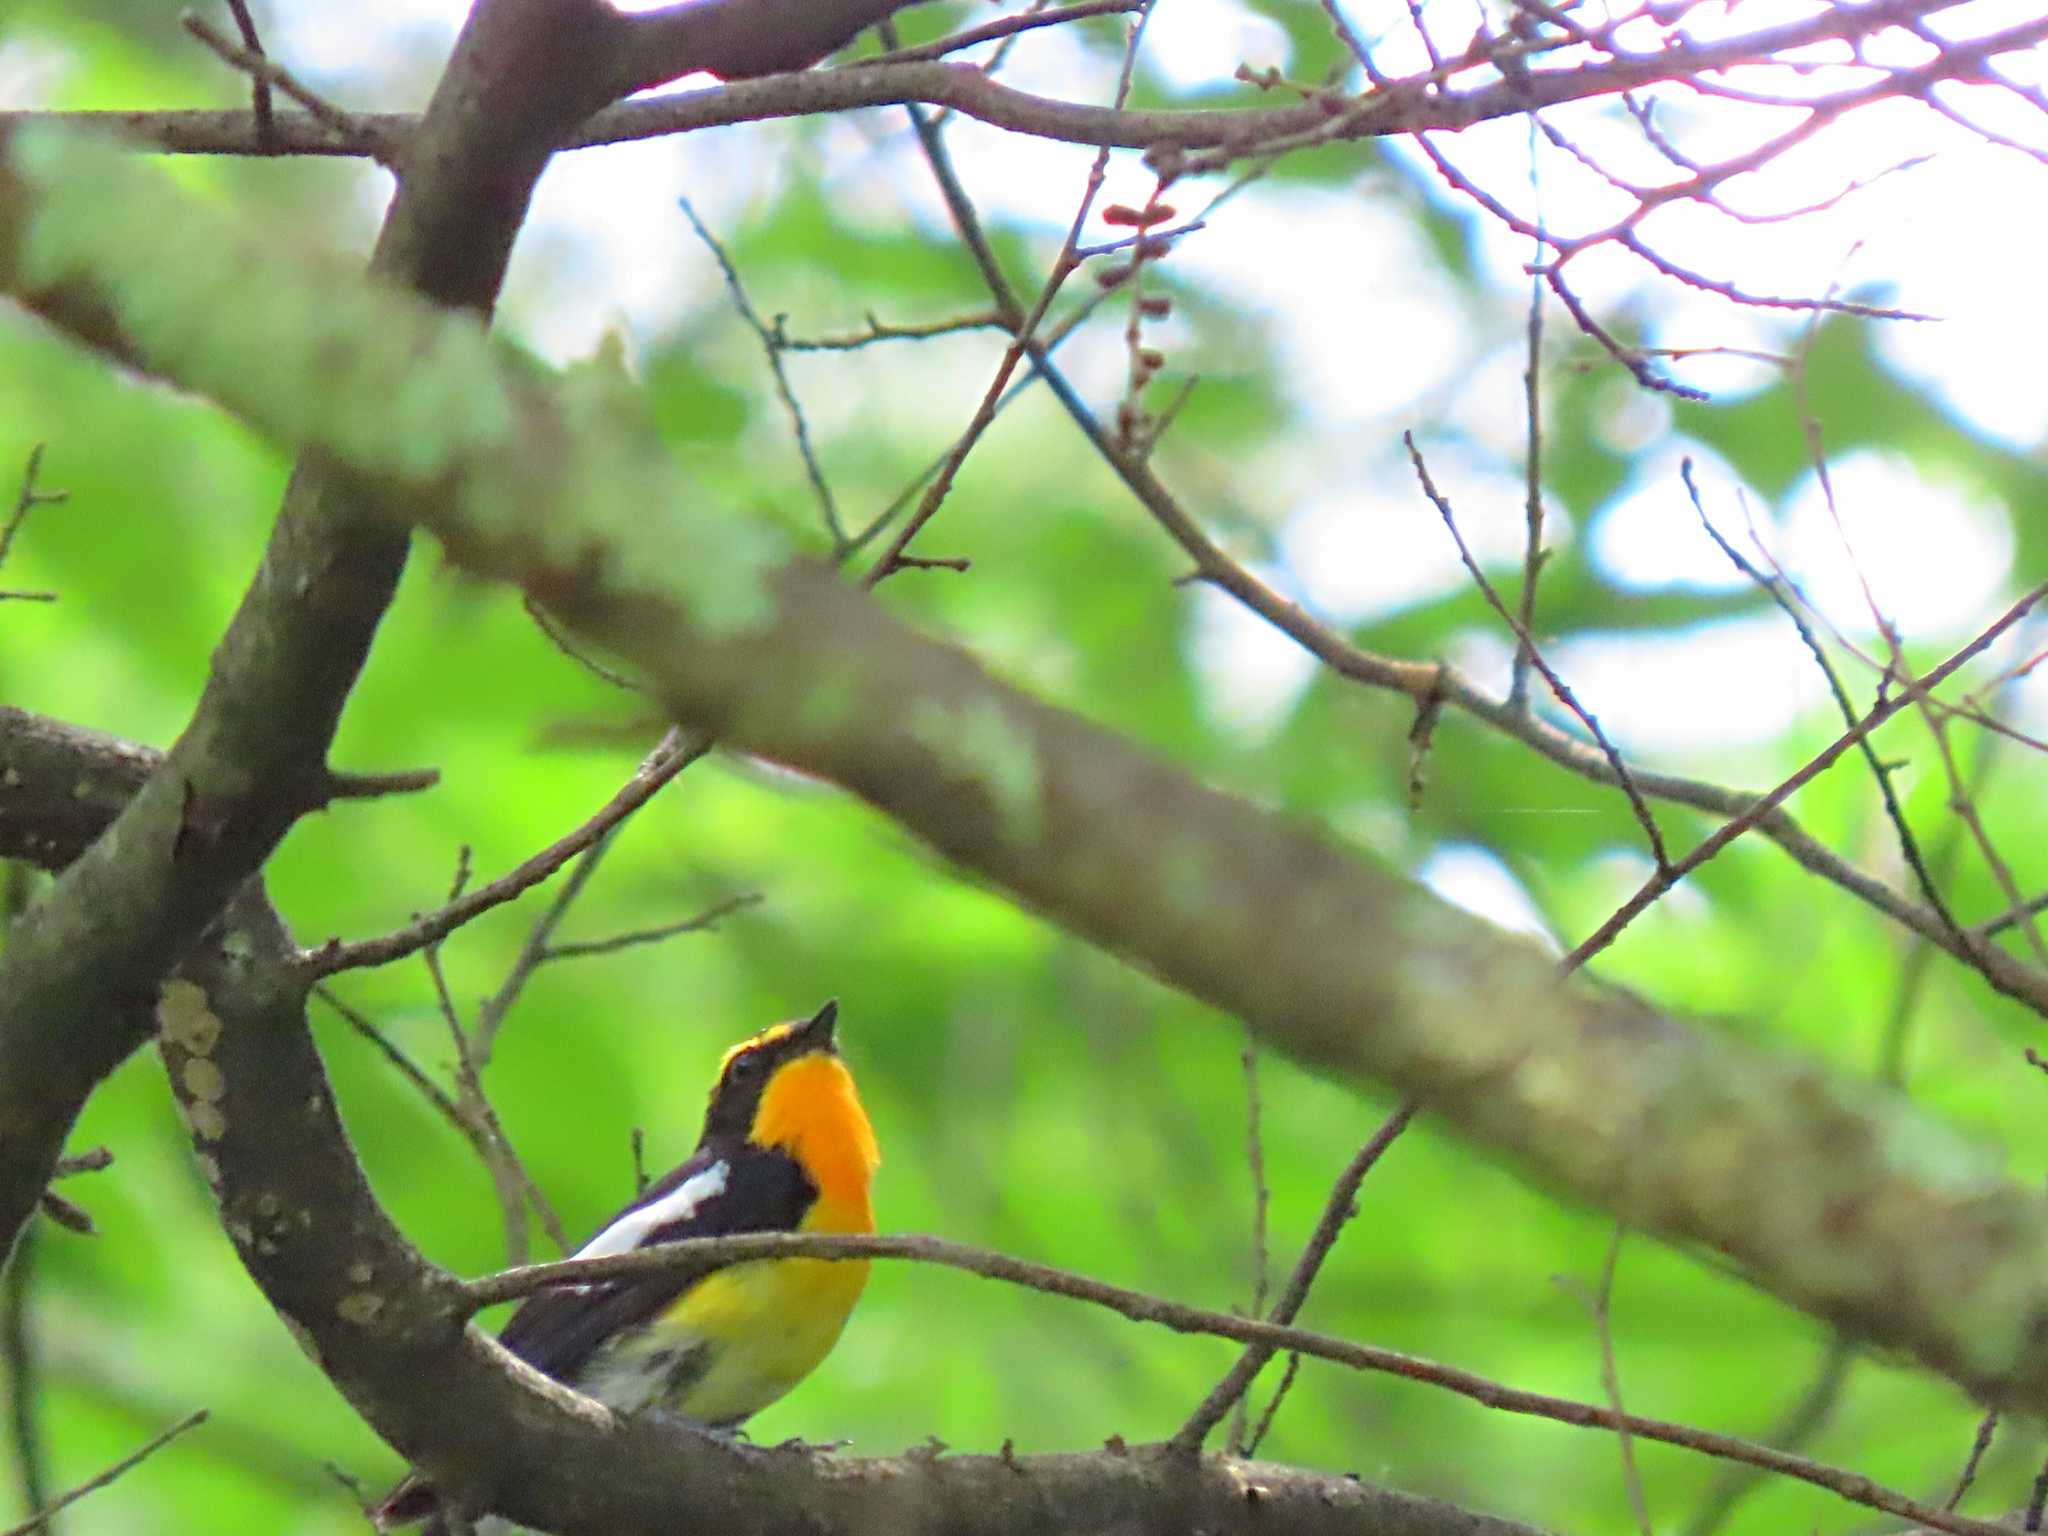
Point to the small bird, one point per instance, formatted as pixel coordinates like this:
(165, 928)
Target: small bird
(786, 1148)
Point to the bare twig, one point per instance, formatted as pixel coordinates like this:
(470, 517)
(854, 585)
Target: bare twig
(1557, 684)
(1533, 552)
(27, 499)
(1064, 264)
(561, 641)
(703, 922)
(41, 1520)
(72, 1217)
(1599, 1304)
(407, 1067)
(1962, 801)
(491, 1016)
(1001, 28)
(515, 1188)
(880, 330)
(771, 345)
(1880, 712)
(1414, 104)
(259, 102)
(376, 786)
(1433, 681)
(1777, 589)
(1986, 1428)
(669, 758)
(21, 1363)
(2031, 907)
(1272, 1410)
(1255, 1164)
(252, 62)
(1337, 1210)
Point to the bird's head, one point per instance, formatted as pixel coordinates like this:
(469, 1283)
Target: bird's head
(788, 1088)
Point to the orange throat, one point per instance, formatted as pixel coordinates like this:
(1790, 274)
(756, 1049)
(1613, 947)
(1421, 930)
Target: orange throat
(811, 1111)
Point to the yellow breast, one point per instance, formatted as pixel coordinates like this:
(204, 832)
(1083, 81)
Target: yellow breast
(763, 1327)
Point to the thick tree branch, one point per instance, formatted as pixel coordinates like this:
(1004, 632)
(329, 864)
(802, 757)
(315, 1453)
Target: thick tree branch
(1840, 1199)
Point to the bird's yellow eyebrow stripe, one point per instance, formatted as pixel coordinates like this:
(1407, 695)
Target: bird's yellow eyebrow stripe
(768, 1036)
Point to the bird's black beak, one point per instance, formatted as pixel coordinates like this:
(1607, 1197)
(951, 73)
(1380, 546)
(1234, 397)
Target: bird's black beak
(817, 1031)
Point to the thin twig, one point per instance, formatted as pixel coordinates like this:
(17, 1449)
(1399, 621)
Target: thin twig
(1337, 1210)
(27, 499)
(1876, 716)
(491, 1016)
(1533, 553)
(1962, 802)
(41, 1520)
(771, 346)
(514, 1186)
(670, 757)
(703, 922)
(1272, 1411)
(560, 640)
(881, 330)
(1063, 267)
(257, 67)
(1255, 1164)
(2031, 907)
(22, 1365)
(1423, 681)
(259, 101)
(1557, 684)
(698, 1254)
(1002, 27)
(1778, 590)
(1986, 1428)
(409, 1069)
(1599, 1304)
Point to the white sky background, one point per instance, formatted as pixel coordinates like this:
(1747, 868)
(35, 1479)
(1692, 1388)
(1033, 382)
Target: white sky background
(1375, 340)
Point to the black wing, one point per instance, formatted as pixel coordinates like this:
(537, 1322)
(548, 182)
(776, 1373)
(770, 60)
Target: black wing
(763, 1190)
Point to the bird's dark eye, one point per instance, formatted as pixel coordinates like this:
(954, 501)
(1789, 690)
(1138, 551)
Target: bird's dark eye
(744, 1068)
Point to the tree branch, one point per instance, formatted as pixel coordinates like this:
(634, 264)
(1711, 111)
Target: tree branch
(699, 1254)
(1415, 105)
(1809, 1183)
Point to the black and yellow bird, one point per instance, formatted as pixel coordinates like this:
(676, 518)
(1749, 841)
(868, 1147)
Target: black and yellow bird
(786, 1148)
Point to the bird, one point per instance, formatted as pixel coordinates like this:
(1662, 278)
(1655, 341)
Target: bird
(786, 1147)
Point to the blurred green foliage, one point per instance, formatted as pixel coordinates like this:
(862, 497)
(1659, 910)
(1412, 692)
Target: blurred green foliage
(1029, 1093)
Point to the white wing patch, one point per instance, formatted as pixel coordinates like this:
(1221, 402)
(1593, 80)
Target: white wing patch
(679, 1204)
